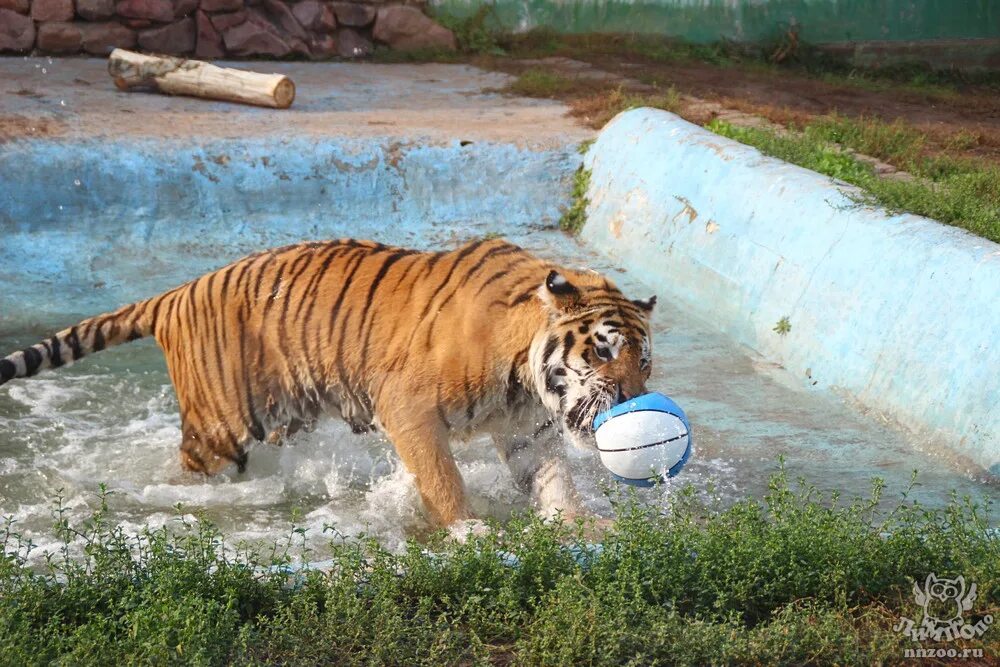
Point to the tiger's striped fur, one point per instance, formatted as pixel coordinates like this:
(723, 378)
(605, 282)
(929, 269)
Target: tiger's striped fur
(423, 346)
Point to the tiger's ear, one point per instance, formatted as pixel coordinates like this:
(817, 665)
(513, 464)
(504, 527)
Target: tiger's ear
(647, 305)
(558, 293)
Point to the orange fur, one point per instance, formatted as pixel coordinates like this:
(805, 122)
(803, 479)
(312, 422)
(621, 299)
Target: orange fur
(420, 345)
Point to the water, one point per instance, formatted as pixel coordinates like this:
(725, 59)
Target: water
(112, 418)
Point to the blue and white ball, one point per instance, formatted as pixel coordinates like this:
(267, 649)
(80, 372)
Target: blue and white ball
(643, 440)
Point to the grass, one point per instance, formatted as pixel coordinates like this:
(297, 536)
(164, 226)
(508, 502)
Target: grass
(538, 82)
(575, 217)
(960, 192)
(954, 184)
(594, 101)
(794, 578)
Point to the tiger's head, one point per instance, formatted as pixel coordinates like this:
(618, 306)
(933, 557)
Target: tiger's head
(594, 352)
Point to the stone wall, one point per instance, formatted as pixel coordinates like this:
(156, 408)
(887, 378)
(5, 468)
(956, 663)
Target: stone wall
(209, 29)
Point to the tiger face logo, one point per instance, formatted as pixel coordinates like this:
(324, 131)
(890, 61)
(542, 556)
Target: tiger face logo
(595, 354)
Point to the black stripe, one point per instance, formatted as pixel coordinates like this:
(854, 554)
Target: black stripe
(155, 315)
(339, 355)
(338, 250)
(32, 360)
(294, 275)
(505, 249)
(262, 270)
(465, 252)
(168, 318)
(396, 321)
(392, 259)
(517, 261)
(434, 259)
(7, 370)
(550, 348)
(440, 410)
(55, 354)
(256, 428)
(73, 340)
(376, 281)
(99, 342)
(513, 384)
(308, 295)
(469, 274)
(470, 410)
(568, 343)
(241, 461)
(214, 339)
(343, 289)
(523, 297)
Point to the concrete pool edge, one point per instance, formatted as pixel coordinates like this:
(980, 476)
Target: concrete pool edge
(74, 212)
(897, 312)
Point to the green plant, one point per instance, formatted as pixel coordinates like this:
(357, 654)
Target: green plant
(538, 82)
(479, 33)
(575, 217)
(956, 192)
(792, 578)
(783, 326)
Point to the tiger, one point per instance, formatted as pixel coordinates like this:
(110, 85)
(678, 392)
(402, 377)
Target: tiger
(423, 347)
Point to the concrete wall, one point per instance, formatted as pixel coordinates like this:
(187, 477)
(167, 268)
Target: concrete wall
(113, 222)
(947, 31)
(896, 312)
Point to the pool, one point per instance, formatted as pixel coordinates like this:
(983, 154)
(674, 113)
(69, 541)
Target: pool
(112, 418)
(87, 243)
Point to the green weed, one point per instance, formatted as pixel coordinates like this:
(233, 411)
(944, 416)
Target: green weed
(538, 82)
(962, 193)
(575, 217)
(479, 33)
(792, 578)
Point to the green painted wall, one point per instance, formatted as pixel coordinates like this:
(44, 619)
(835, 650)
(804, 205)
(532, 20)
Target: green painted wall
(819, 21)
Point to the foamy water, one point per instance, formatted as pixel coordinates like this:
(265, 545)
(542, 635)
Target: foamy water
(112, 418)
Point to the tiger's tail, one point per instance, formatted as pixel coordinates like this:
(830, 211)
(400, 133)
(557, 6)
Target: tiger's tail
(91, 335)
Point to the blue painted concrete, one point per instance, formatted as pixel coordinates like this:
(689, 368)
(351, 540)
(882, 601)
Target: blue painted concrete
(112, 222)
(896, 311)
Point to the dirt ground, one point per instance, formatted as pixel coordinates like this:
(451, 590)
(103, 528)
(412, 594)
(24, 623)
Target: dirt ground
(430, 103)
(963, 121)
(956, 120)
(786, 95)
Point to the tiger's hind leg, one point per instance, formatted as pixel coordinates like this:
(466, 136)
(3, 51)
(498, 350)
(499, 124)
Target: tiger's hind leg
(209, 455)
(219, 413)
(215, 429)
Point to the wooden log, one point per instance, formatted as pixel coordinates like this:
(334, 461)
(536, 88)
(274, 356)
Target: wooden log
(178, 76)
